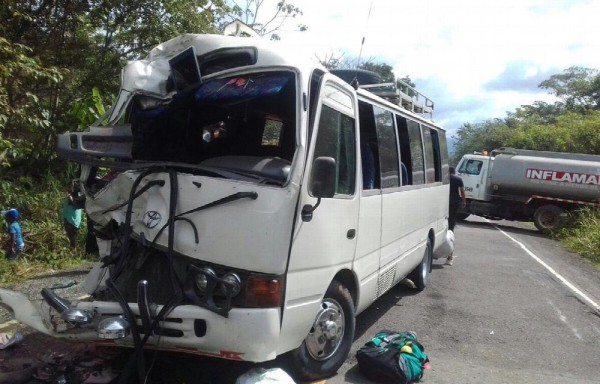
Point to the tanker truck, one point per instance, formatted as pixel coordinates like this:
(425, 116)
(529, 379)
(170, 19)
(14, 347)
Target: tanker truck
(526, 185)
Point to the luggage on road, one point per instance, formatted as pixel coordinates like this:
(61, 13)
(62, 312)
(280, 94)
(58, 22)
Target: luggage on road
(392, 357)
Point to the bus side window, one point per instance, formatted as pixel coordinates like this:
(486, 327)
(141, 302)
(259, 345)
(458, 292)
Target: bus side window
(437, 153)
(368, 147)
(416, 152)
(405, 158)
(388, 148)
(444, 156)
(430, 158)
(336, 138)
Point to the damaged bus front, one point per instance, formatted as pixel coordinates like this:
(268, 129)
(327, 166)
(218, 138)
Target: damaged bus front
(248, 204)
(192, 184)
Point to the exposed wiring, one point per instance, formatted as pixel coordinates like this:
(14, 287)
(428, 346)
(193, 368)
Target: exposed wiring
(155, 354)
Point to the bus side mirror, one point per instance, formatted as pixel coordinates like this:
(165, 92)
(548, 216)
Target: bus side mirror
(321, 185)
(322, 178)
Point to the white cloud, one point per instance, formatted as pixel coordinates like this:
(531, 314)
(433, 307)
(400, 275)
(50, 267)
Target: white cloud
(477, 59)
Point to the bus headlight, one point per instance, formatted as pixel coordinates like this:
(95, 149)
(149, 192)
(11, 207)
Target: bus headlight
(232, 282)
(203, 277)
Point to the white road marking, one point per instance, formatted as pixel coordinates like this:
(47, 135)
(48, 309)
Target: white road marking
(573, 288)
(563, 318)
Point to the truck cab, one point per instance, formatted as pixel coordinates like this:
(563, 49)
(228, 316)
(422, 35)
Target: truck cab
(474, 171)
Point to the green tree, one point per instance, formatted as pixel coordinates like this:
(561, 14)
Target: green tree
(578, 87)
(36, 27)
(539, 111)
(382, 69)
(22, 113)
(483, 136)
(87, 42)
(248, 12)
(571, 132)
(130, 29)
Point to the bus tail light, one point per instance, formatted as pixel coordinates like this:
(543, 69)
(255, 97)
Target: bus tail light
(263, 292)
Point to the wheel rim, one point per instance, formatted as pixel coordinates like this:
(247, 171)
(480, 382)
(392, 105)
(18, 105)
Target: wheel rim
(549, 219)
(327, 332)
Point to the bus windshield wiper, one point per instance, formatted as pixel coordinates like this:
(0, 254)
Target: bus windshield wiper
(224, 200)
(146, 187)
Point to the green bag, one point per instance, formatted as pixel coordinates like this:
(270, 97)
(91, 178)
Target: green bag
(392, 357)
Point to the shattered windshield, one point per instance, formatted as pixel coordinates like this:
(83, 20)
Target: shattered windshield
(239, 125)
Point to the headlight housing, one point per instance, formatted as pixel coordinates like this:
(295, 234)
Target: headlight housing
(203, 279)
(220, 288)
(230, 283)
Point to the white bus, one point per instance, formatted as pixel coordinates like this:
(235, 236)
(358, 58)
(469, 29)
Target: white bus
(256, 204)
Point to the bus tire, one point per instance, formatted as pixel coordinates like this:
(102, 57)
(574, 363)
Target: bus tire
(462, 216)
(328, 343)
(421, 274)
(548, 218)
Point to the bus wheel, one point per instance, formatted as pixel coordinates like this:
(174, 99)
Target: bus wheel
(462, 216)
(548, 218)
(420, 275)
(328, 343)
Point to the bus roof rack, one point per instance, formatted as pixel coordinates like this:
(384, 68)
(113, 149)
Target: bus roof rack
(399, 93)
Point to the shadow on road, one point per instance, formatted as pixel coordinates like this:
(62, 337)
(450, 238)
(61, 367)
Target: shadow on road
(508, 227)
(388, 300)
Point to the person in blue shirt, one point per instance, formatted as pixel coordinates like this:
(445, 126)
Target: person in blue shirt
(71, 216)
(15, 244)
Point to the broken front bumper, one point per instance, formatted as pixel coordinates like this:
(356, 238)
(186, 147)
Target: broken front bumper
(247, 334)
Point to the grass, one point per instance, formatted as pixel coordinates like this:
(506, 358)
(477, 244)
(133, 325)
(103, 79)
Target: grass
(46, 244)
(582, 235)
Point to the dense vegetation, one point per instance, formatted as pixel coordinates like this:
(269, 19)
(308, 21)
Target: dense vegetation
(583, 235)
(60, 64)
(39, 200)
(54, 53)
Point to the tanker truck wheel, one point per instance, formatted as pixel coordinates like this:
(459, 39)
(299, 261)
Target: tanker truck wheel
(548, 218)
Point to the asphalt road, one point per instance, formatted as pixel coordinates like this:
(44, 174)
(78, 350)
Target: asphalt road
(497, 315)
(514, 308)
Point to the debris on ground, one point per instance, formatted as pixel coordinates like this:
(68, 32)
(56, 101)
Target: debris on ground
(265, 376)
(82, 365)
(17, 371)
(65, 284)
(7, 339)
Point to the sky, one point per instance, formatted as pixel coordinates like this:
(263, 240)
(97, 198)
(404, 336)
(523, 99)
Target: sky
(476, 59)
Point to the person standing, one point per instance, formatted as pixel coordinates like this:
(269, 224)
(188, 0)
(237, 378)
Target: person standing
(15, 244)
(71, 217)
(458, 198)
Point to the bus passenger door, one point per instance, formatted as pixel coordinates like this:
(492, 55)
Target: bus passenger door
(324, 240)
(368, 247)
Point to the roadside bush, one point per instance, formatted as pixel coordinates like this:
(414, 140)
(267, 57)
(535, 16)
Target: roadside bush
(46, 245)
(582, 235)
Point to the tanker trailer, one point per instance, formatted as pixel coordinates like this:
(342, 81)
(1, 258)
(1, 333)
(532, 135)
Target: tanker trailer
(525, 185)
